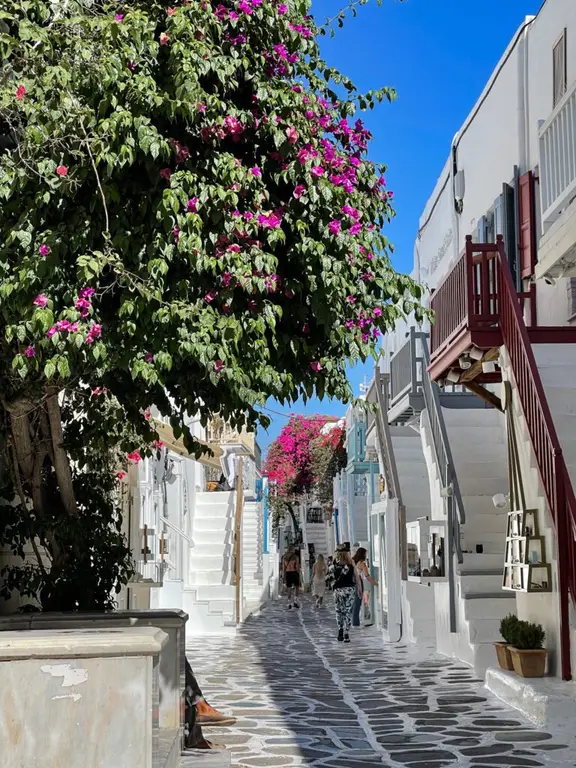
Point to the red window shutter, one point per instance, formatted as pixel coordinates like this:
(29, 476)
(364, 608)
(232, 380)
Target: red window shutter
(527, 221)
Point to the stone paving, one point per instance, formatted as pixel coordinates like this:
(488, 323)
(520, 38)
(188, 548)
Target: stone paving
(303, 699)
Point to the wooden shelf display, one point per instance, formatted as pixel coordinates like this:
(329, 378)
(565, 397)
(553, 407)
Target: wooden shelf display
(525, 566)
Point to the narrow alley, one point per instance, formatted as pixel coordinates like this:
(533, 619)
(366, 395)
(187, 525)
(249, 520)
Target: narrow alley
(303, 699)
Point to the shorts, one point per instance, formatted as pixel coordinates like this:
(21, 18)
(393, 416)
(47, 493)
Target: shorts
(292, 579)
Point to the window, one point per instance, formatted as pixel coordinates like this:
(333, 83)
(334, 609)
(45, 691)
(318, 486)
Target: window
(560, 75)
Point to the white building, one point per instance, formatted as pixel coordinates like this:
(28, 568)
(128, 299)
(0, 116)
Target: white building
(183, 531)
(511, 171)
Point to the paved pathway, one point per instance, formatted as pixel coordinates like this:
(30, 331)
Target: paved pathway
(303, 699)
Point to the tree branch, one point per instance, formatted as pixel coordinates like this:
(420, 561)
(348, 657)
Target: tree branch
(61, 462)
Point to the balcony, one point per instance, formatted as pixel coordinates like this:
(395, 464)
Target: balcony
(407, 369)
(469, 306)
(557, 250)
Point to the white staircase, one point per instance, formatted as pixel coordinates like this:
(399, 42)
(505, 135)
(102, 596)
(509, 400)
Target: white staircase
(252, 553)
(419, 621)
(478, 445)
(209, 599)
(317, 534)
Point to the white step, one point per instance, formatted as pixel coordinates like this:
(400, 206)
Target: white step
(213, 523)
(216, 497)
(476, 562)
(561, 400)
(489, 605)
(467, 468)
(213, 592)
(201, 578)
(219, 536)
(486, 523)
(480, 582)
(209, 563)
(485, 630)
(483, 486)
(472, 417)
(483, 437)
(479, 505)
(219, 511)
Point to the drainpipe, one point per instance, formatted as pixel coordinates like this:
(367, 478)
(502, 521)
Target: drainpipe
(522, 106)
(455, 212)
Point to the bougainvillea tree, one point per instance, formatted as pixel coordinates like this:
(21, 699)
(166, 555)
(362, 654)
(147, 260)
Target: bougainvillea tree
(188, 219)
(288, 464)
(327, 458)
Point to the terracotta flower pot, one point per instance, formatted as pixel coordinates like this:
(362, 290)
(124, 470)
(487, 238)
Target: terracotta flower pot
(504, 656)
(529, 663)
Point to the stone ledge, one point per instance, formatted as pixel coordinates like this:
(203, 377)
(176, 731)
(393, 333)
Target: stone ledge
(67, 644)
(545, 701)
(211, 759)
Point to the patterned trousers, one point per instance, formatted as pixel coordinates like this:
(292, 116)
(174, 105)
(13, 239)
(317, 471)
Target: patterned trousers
(344, 603)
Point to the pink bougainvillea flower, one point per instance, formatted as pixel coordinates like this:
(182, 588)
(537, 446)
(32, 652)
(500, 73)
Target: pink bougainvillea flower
(44, 250)
(147, 415)
(350, 299)
(192, 205)
(50, 332)
(245, 7)
(164, 38)
(306, 328)
(158, 444)
(94, 333)
(256, 172)
(87, 293)
(316, 366)
(98, 391)
(20, 92)
(303, 156)
(40, 301)
(30, 351)
(377, 312)
(166, 174)
(82, 304)
(218, 366)
(134, 457)
(334, 227)
(355, 229)
(292, 135)
(209, 298)
(63, 325)
(171, 11)
(149, 357)
(317, 171)
(121, 475)
(176, 233)
(62, 170)
(132, 66)
(119, 17)
(282, 9)
(226, 279)
(299, 191)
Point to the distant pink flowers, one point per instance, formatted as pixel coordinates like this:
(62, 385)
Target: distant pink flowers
(98, 391)
(317, 171)
(62, 170)
(282, 9)
(20, 92)
(192, 205)
(121, 475)
(40, 301)
(30, 351)
(149, 357)
(270, 221)
(44, 250)
(164, 38)
(316, 366)
(119, 17)
(219, 366)
(166, 174)
(256, 172)
(134, 457)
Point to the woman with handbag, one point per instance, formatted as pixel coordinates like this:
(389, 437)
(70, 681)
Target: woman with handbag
(347, 585)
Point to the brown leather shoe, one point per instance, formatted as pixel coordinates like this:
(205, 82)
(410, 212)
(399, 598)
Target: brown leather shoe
(205, 744)
(215, 718)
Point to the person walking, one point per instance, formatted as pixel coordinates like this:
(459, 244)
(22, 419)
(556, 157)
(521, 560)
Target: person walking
(319, 574)
(346, 584)
(291, 568)
(364, 574)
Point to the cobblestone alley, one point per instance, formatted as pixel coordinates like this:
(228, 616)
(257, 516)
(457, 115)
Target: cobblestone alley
(303, 699)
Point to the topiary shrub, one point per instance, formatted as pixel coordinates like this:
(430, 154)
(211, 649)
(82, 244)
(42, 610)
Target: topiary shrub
(508, 627)
(529, 636)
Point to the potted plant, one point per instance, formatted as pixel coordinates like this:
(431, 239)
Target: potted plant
(528, 655)
(507, 629)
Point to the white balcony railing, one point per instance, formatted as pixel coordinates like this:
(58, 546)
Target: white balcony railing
(558, 159)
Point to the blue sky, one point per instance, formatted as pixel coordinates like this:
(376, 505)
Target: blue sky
(438, 55)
